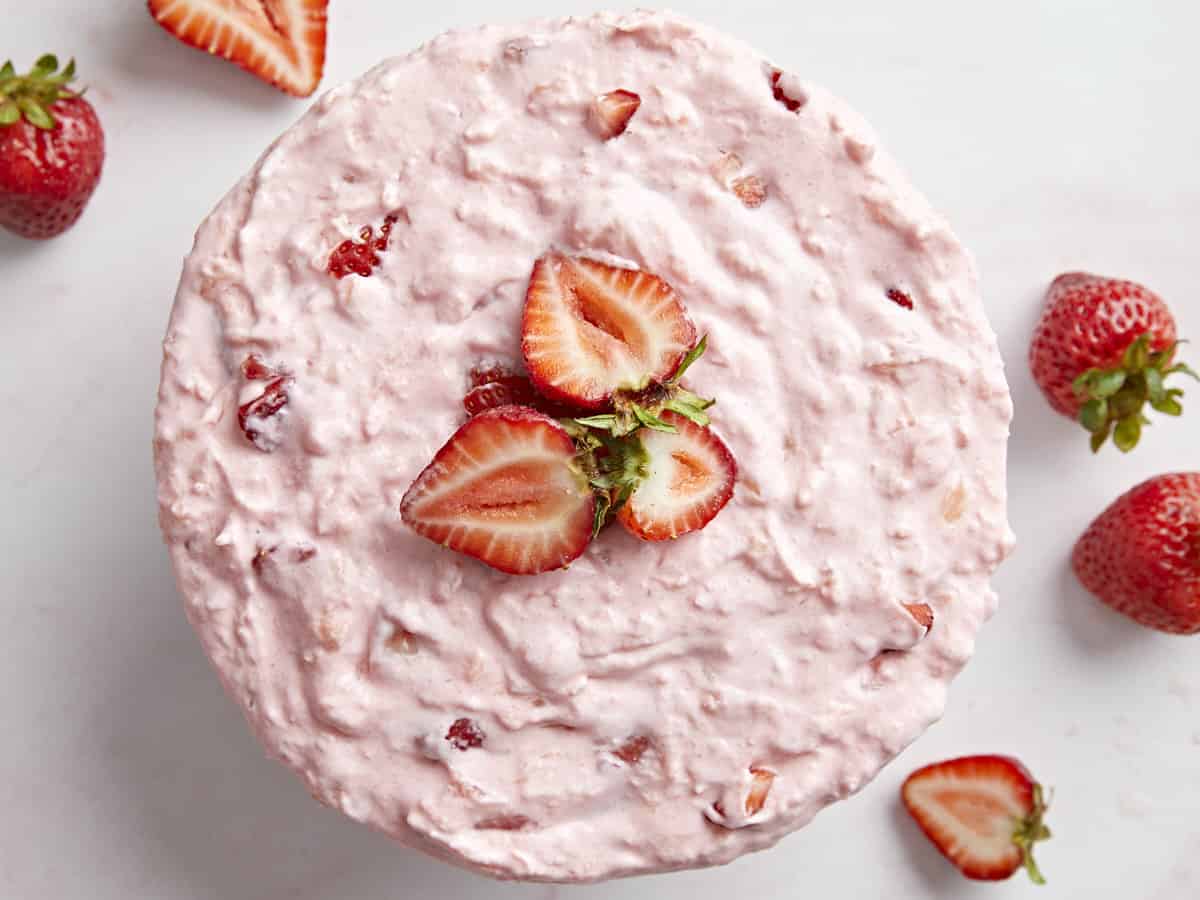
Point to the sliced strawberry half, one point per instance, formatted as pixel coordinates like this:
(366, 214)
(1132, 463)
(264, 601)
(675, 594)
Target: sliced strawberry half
(984, 813)
(505, 489)
(611, 112)
(280, 41)
(689, 477)
(591, 329)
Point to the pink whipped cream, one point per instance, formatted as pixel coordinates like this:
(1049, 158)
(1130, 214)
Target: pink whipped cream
(656, 706)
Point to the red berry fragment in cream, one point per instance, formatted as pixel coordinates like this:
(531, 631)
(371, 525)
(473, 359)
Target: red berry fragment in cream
(260, 418)
(362, 256)
(464, 734)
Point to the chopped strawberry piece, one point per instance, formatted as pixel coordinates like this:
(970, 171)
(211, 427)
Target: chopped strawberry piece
(611, 112)
(259, 419)
(690, 478)
(632, 751)
(280, 41)
(900, 298)
(362, 256)
(751, 190)
(983, 813)
(514, 822)
(590, 329)
(254, 369)
(465, 734)
(512, 390)
(505, 489)
(760, 787)
(779, 93)
(922, 613)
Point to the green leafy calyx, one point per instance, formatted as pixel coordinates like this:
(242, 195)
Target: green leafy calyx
(1031, 829)
(1114, 399)
(609, 449)
(32, 96)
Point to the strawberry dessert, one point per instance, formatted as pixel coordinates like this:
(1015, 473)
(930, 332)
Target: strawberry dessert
(581, 451)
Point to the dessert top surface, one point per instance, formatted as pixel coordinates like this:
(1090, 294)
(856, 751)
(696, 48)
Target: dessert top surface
(619, 716)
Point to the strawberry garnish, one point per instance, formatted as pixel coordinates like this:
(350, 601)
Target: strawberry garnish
(51, 150)
(1103, 351)
(1142, 555)
(983, 813)
(280, 41)
(506, 490)
(688, 478)
(591, 329)
(922, 614)
(611, 112)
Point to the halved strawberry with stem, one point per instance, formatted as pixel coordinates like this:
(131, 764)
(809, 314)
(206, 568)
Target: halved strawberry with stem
(591, 329)
(506, 490)
(280, 41)
(687, 478)
(984, 813)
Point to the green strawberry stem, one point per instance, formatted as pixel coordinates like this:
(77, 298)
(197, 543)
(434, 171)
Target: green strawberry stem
(32, 95)
(1113, 399)
(608, 450)
(1029, 831)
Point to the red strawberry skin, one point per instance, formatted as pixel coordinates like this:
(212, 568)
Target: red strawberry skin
(505, 490)
(972, 809)
(47, 177)
(1142, 555)
(1087, 323)
(691, 476)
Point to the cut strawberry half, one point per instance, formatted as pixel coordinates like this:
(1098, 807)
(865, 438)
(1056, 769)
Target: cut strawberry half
(689, 477)
(591, 329)
(984, 813)
(611, 112)
(506, 490)
(280, 41)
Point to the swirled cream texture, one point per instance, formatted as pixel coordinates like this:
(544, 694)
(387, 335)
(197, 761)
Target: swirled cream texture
(656, 706)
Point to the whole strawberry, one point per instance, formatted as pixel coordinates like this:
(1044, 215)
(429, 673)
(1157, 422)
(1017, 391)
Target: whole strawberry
(1102, 351)
(51, 150)
(1142, 555)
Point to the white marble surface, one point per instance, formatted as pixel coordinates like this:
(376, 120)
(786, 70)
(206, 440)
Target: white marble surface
(1054, 136)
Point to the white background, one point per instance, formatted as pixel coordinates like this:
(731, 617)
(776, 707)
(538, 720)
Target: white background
(1054, 135)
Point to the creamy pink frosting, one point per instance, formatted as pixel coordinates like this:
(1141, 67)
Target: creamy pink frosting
(870, 439)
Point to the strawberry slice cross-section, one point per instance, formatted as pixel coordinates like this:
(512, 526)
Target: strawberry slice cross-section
(983, 813)
(506, 490)
(689, 477)
(590, 329)
(280, 41)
